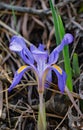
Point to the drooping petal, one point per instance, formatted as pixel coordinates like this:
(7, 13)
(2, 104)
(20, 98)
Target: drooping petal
(18, 75)
(61, 75)
(17, 44)
(53, 57)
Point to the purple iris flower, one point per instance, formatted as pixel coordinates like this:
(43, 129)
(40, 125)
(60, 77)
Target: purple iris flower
(39, 61)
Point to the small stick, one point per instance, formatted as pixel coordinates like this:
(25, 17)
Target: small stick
(12, 31)
(73, 102)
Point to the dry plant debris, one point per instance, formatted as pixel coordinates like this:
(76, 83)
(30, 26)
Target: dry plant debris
(32, 19)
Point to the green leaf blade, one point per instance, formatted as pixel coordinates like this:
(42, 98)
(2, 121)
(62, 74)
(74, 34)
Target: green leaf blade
(59, 34)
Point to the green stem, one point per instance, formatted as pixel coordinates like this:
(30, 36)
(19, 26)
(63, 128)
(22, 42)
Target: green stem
(42, 115)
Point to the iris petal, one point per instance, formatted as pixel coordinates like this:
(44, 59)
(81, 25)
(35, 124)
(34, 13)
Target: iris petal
(41, 47)
(18, 75)
(32, 48)
(60, 74)
(68, 38)
(61, 77)
(27, 56)
(18, 45)
(39, 54)
(48, 78)
(53, 57)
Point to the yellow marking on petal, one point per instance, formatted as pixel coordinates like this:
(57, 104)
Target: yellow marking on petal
(57, 68)
(22, 68)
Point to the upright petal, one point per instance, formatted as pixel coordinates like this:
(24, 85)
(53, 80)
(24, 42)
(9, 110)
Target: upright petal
(39, 54)
(17, 44)
(41, 47)
(32, 48)
(27, 56)
(68, 39)
(53, 57)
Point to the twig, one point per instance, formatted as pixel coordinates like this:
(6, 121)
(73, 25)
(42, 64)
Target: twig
(6, 95)
(1, 99)
(64, 117)
(25, 9)
(32, 11)
(61, 121)
(12, 31)
(77, 24)
(75, 95)
(72, 20)
(74, 47)
(73, 102)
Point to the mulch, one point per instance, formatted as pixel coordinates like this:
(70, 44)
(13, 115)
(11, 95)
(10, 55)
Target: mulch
(33, 20)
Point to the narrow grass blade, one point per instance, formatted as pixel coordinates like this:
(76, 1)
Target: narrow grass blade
(55, 18)
(14, 16)
(59, 33)
(75, 65)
